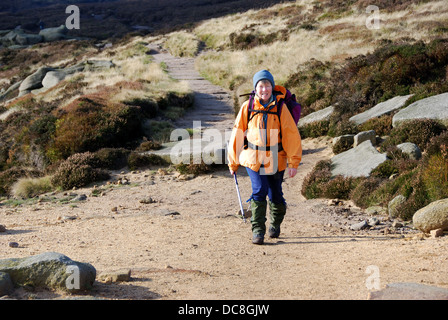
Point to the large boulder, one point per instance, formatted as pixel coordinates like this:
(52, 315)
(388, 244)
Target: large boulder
(435, 107)
(50, 270)
(357, 162)
(433, 216)
(380, 109)
(19, 37)
(54, 34)
(317, 116)
(33, 81)
(52, 78)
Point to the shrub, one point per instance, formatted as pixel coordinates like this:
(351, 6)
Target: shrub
(92, 123)
(312, 186)
(361, 194)
(137, 160)
(78, 171)
(9, 176)
(31, 187)
(339, 187)
(192, 168)
(112, 158)
(314, 130)
(435, 176)
(418, 131)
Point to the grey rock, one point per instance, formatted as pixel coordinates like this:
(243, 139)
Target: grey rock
(74, 69)
(435, 107)
(54, 34)
(410, 149)
(433, 216)
(394, 204)
(6, 285)
(373, 222)
(50, 270)
(95, 64)
(359, 226)
(357, 162)
(320, 115)
(346, 139)
(364, 136)
(34, 81)
(381, 109)
(52, 78)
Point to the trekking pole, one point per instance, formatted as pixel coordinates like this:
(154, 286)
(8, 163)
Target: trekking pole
(239, 197)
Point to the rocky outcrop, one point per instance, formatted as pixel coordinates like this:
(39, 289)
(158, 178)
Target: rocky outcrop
(33, 81)
(317, 116)
(52, 78)
(380, 109)
(435, 107)
(54, 34)
(357, 162)
(433, 216)
(49, 270)
(19, 37)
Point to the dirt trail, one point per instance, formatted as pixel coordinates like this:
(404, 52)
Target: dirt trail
(187, 242)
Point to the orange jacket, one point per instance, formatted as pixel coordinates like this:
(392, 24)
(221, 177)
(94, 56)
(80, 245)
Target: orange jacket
(272, 161)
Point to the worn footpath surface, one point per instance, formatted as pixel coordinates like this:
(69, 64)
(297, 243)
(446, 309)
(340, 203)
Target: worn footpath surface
(182, 238)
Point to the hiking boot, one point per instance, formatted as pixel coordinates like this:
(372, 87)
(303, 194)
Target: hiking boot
(277, 212)
(258, 218)
(274, 232)
(258, 239)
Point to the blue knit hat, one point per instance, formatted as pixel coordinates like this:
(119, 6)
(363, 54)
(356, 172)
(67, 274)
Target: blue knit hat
(263, 75)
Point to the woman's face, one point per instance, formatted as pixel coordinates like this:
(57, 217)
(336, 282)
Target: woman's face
(264, 90)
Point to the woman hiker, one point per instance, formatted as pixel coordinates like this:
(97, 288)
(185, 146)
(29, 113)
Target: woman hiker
(266, 146)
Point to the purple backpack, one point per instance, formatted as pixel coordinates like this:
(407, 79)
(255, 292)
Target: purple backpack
(290, 100)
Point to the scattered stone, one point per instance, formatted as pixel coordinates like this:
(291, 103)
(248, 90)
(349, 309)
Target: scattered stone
(364, 136)
(2, 228)
(375, 210)
(114, 209)
(148, 200)
(359, 226)
(410, 149)
(394, 204)
(433, 216)
(49, 270)
(373, 222)
(13, 244)
(397, 224)
(172, 213)
(115, 276)
(81, 197)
